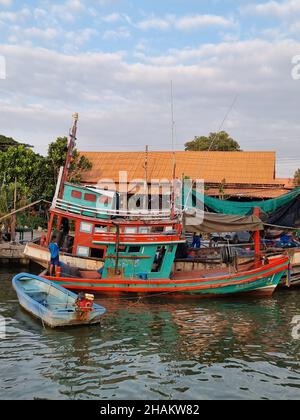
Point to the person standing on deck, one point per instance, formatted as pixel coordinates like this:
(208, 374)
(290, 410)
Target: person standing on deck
(196, 241)
(54, 251)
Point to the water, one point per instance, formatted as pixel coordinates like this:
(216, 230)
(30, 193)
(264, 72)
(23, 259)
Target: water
(155, 349)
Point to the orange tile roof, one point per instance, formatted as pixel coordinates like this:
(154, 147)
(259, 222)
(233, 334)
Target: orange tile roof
(213, 167)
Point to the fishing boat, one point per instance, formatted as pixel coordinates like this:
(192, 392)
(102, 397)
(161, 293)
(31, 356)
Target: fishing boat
(136, 249)
(261, 281)
(293, 278)
(53, 304)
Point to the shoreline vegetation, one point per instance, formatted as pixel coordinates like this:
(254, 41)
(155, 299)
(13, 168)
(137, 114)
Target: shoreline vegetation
(26, 177)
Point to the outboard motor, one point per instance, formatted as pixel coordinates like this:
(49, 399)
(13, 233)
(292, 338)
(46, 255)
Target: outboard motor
(84, 304)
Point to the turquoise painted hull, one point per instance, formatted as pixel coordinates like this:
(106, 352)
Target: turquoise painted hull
(261, 281)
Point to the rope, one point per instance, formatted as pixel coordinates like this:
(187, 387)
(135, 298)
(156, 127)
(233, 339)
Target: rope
(281, 227)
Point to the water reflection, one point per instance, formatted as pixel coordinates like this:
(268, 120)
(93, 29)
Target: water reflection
(155, 349)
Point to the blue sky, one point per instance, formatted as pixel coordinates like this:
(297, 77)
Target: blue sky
(158, 26)
(113, 60)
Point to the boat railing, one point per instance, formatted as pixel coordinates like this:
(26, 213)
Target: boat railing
(98, 212)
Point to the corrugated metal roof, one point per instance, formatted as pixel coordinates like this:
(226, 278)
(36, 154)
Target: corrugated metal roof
(264, 193)
(234, 167)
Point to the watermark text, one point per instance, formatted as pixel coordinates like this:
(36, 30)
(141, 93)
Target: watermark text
(2, 67)
(2, 328)
(296, 67)
(296, 329)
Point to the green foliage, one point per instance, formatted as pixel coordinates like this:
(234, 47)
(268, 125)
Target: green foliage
(57, 154)
(7, 142)
(36, 176)
(297, 178)
(215, 142)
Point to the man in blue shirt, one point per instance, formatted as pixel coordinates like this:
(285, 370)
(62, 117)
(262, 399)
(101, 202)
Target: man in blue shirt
(54, 251)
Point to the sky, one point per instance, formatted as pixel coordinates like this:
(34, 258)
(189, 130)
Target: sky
(233, 64)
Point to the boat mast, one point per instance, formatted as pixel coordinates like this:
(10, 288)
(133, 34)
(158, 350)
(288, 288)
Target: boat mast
(71, 146)
(63, 177)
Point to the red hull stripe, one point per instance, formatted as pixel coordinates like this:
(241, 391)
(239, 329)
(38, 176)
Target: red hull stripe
(172, 286)
(265, 271)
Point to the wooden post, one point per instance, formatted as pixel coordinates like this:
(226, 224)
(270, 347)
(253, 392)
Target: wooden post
(14, 219)
(59, 222)
(117, 249)
(256, 212)
(49, 231)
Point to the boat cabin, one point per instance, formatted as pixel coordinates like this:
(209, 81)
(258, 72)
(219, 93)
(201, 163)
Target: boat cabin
(88, 225)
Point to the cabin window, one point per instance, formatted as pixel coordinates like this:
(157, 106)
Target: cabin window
(83, 251)
(76, 194)
(170, 250)
(158, 229)
(130, 230)
(132, 249)
(169, 229)
(122, 248)
(90, 197)
(100, 229)
(144, 230)
(97, 253)
(86, 227)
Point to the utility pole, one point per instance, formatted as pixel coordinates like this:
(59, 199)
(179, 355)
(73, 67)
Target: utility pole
(174, 156)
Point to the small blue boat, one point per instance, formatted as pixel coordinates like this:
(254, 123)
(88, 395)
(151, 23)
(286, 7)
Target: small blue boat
(54, 305)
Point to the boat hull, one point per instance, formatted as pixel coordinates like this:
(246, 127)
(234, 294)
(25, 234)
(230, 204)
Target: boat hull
(292, 279)
(261, 282)
(54, 318)
(41, 255)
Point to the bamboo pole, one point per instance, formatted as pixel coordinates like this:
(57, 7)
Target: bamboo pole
(22, 209)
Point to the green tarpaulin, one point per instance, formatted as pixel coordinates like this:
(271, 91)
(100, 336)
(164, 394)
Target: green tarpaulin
(243, 209)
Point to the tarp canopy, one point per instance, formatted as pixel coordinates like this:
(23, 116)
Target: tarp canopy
(287, 216)
(199, 222)
(242, 209)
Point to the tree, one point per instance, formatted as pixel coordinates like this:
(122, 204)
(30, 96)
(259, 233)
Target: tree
(7, 142)
(21, 164)
(297, 178)
(57, 154)
(215, 142)
(36, 175)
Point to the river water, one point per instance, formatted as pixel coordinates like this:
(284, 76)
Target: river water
(155, 349)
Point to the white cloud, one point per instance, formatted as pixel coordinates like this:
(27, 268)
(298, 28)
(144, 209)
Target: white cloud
(12, 17)
(154, 23)
(43, 88)
(184, 23)
(5, 3)
(282, 9)
(120, 33)
(199, 21)
(42, 34)
(112, 18)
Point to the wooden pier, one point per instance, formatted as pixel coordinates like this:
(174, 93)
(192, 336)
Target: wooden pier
(13, 254)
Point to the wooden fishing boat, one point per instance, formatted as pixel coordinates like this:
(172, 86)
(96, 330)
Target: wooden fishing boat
(260, 281)
(137, 248)
(293, 279)
(53, 304)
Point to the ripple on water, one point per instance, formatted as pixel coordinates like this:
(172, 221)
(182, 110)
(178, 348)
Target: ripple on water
(155, 349)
